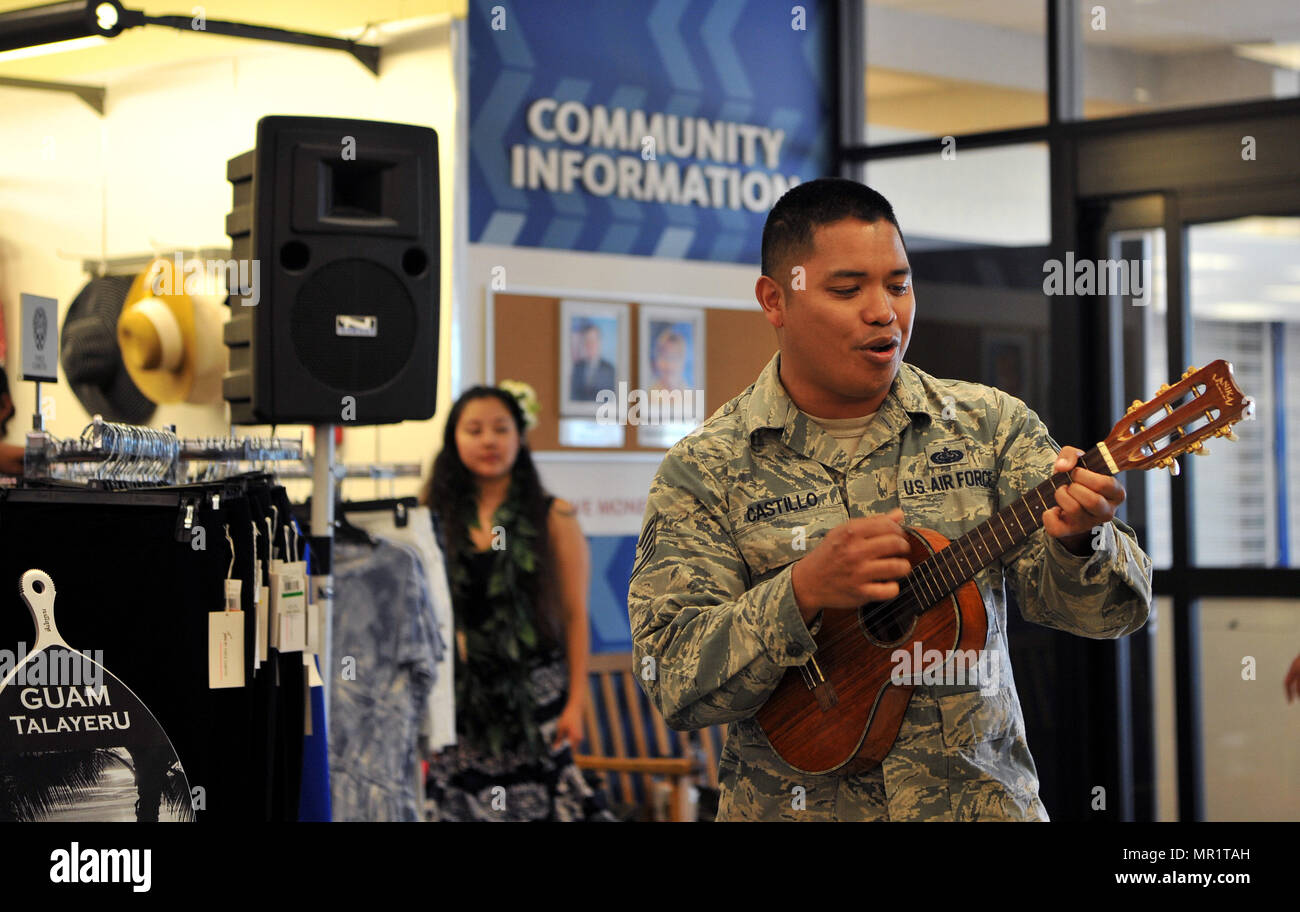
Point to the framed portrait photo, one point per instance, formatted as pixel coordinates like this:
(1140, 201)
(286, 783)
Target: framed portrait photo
(593, 354)
(671, 356)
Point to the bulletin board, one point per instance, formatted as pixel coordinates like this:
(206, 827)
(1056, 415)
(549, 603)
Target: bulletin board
(524, 344)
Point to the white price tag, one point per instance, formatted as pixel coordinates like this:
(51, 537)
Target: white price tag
(291, 607)
(225, 649)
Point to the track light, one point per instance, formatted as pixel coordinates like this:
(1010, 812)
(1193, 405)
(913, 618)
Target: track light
(73, 19)
(65, 21)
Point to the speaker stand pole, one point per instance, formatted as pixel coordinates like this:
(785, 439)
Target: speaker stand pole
(322, 548)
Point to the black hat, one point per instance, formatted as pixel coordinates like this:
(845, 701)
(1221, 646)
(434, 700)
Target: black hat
(91, 359)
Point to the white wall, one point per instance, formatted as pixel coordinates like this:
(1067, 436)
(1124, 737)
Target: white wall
(153, 169)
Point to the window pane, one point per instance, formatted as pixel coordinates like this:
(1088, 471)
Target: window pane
(1245, 287)
(975, 197)
(1140, 56)
(976, 228)
(1250, 757)
(945, 67)
(1160, 626)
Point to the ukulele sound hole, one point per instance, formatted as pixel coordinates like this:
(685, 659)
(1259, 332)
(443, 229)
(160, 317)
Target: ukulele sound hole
(886, 623)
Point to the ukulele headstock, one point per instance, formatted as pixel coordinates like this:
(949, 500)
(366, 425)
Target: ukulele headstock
(1205, 403)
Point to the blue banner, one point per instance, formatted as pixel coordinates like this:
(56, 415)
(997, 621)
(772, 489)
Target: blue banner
(666, 128)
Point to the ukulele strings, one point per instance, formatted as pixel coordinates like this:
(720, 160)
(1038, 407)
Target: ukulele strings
(916, 589)
(915, 595)
(891, 609)
(921, 585)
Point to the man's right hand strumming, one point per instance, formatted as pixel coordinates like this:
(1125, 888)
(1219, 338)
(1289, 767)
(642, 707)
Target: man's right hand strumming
(858, 561)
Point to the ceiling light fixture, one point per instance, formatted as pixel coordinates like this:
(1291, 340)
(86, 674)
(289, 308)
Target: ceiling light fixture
(38, 26)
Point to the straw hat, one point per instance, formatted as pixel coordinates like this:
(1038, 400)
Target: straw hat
(171, 342)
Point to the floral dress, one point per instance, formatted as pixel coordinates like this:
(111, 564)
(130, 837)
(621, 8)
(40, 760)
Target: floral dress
(468, 781)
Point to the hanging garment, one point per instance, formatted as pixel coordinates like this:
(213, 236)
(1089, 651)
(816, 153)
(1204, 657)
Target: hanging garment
(314, 796)
(384, 635)
(280, 684)
(439, 727)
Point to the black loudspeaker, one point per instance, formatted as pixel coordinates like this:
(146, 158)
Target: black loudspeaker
(335, 224)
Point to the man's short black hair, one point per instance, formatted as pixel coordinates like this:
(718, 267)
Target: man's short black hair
(788, 232)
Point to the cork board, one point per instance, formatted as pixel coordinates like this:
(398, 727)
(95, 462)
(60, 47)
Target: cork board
(525, 343)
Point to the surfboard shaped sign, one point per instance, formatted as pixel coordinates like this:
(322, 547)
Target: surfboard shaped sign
(77, 744)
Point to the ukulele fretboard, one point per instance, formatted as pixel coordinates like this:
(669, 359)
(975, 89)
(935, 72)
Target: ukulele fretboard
(944, 571)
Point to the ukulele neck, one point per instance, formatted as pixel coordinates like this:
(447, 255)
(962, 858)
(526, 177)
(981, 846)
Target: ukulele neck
(944, 571)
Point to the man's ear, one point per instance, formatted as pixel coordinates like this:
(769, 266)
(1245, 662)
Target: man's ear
(772, 298)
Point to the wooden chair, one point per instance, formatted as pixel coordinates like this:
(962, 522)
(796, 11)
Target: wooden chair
(652, 762)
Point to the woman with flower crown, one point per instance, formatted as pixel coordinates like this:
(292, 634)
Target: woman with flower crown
(518, 567)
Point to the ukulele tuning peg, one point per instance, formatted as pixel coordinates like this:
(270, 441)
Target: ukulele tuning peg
(1137, 404)
(1164, 387)
(1174, 468)
(1187, 373)
(1226, 432)
(1200, 449)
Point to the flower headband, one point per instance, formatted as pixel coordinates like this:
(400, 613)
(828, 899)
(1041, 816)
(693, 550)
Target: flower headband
(526, 396)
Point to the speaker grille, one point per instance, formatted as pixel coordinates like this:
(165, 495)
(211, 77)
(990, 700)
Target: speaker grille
(353, 287)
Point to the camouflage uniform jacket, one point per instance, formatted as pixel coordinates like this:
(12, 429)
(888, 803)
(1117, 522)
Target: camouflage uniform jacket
(712, 604)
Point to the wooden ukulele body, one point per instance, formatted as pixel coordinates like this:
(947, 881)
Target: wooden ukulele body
(848, 722)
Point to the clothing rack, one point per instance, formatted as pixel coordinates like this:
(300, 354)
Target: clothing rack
(373, 471)
(401, 508)
(112, 454)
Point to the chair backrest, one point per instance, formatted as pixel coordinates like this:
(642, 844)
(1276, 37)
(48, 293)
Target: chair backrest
(621, 723)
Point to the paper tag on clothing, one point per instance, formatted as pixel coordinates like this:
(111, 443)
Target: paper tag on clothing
(263, 623)
(233, 587)
(309, 663)
(291, 607)
(273, 606)
(257, 581)
(225, 649)
(313, 674)
(313, 644)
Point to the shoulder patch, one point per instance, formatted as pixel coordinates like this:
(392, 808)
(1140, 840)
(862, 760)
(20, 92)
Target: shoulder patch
(645, 545)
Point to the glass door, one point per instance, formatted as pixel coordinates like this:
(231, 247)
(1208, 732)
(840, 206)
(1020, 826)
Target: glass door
(1207, 730)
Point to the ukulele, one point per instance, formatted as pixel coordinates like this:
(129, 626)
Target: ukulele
(840, 712)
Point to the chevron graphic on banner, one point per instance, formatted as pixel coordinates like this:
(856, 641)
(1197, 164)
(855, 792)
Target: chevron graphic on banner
(666, 129)
(662, 23)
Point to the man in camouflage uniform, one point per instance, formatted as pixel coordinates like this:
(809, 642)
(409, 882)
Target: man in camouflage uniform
(767, 517)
